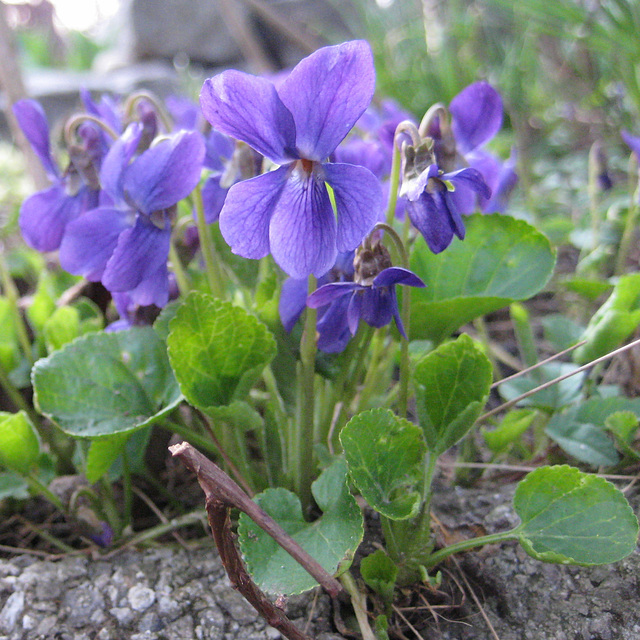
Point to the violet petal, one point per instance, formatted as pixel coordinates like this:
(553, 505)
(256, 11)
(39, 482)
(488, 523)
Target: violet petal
(397, 275)
(326, 93)
(248, 108)
(330, 292)
(247, 211)
(476, 115)
(166, 173)
(302, 231)
(44, 216)
(431, 218)
(139, 252)
(358, 196)
(90, 240)
(33, 122)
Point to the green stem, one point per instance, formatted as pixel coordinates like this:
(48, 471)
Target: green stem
(178, 270)
(167, 527)
(37, 486)
(472, 543)
(11, 292)
(127, 487)
(110, 509)
(15, 396)
(524, 336)
(403, 397)
(632, 218)
(304, 424)
(356, 375)
(211, 262)
(394, 185)
(359, 604)
(198, 441)
(355, 350)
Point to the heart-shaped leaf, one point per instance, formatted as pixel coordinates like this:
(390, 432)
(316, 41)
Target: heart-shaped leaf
(331, 539)
(385, 454)
(500, 260)
(452, 385)
(572, 517)
(217, 350)
(106, 383)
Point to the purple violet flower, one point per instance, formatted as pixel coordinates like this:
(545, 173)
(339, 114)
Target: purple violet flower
(430, 194)
(44, 216)
(476, 117)
(287, 212)
(376, 303)
(125, 241)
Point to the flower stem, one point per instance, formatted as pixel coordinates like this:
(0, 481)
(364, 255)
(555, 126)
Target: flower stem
(212, 265)
(394, 185)
(632, 217)
(472, 543)
(302, 448)
(178, 270)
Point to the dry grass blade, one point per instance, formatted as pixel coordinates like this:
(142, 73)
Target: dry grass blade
(546, 385)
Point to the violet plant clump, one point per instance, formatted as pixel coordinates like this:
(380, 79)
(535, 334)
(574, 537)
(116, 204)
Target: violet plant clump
(297, 375)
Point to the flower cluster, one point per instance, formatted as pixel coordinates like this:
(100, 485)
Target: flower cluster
(295, 167)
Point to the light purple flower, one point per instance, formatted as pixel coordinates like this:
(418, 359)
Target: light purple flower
(125, 242)
(44, 216)
(287, 212)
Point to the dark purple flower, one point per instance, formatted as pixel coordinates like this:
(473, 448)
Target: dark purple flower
(287, 212)
(125, 242)
(333, 330)
(432, 205)
(375, 303)
(44, 216)
(476, 117)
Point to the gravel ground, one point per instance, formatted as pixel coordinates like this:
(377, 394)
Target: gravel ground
(173, 594)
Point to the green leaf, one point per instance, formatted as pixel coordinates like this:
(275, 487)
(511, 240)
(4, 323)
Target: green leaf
(13, 485)
(217, 350)
(61, 327)
(552, 398)
(379, 572)
(572, 517)
(19, 444)
(9, 349)
(384, 454)
(103, 452)
(585, 442)
(331, 539)
(106, 383)
(512, 426)
(581, 430)
(561, 331)
(452, 385)
(614, 322)
(589, 289)
(500, 260)
(624, 426)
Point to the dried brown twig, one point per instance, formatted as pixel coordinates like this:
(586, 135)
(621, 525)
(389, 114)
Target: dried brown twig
(221, 495)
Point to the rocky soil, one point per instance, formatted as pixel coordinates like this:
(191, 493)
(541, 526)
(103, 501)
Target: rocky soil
(173, 594)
